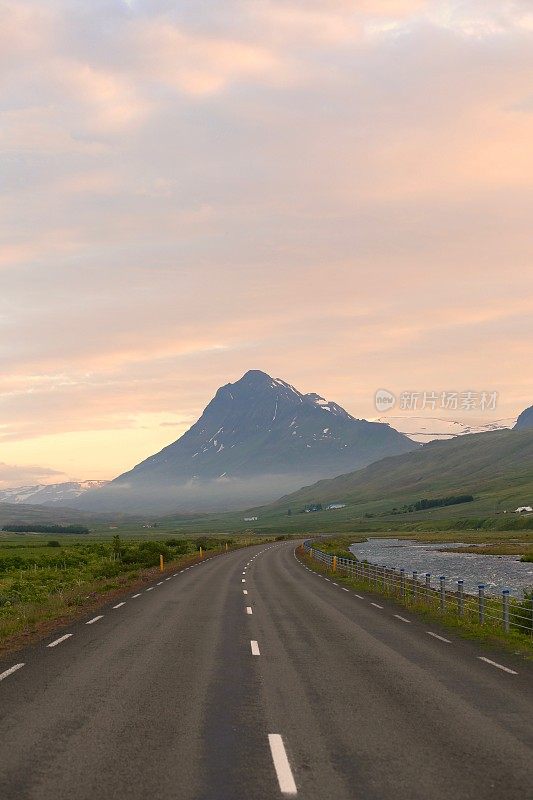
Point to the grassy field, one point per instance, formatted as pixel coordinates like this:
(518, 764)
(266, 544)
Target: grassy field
(45, 581)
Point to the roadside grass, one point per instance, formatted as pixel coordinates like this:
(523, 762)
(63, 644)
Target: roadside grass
(43, 589)
(490, 635)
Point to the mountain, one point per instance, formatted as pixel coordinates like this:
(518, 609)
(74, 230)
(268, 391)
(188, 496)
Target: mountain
(257, 438)
(50, 494)
(499, 462)
(525, 420)
(426, 429)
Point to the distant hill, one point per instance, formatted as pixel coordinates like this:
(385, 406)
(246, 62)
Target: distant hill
(495, 461)
(257, 438)
(49, 494)
(525, 420)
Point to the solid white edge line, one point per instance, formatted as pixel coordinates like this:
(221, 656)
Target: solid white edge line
(61, 639)
(10, 671)
(255, 648)
(249, 610)
(403, 619)
(119, 605)
(436, 636)
(94, 619)
(286, 781)
(499, 666)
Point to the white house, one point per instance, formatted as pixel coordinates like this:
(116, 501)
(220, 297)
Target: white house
(523, 509)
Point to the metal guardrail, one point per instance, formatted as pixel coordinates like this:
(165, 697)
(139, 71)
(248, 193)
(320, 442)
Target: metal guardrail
(417, 590)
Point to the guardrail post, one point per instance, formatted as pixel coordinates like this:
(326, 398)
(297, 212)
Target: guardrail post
(481, 603)
(415, 585)
(428, 586)
(505, 601)
(402, 582)
(334, 564)
(442, 578)
(460, 598)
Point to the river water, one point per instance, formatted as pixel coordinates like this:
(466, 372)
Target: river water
(496, 572)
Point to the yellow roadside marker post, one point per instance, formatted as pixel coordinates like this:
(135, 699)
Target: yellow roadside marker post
(226, 547)
(201, 552)
(334, 564)
(161, 562)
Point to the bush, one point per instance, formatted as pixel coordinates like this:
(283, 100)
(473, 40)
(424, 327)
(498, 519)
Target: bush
(54, 543)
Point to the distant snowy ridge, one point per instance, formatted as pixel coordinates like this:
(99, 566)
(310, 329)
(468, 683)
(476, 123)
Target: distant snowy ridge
(427, 429)
(42, 494)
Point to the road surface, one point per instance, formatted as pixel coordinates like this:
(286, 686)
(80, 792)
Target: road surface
(250, 677)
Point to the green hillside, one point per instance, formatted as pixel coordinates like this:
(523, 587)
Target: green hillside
(496, 467)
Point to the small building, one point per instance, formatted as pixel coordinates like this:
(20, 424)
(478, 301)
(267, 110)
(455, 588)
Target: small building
(524, 510)
(251, 519)
(333, 506)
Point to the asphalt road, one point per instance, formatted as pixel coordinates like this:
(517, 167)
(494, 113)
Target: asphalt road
(196, 690)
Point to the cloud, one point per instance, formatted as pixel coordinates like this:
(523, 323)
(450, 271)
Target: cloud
(12, 475)
(331, 190)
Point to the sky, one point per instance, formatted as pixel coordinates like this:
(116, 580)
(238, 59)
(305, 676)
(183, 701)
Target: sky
(337, 192)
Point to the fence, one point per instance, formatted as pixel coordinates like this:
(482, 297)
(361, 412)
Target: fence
(414, 589)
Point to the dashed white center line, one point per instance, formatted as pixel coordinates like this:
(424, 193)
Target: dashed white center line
(495, 664)
(167, 579)
(94, 619)
(335, 584)
(243, 580)
(440, 638)
(403, 619)
(344, 589)
(245, 591)
(119, 605)
(58, 641)
(359, 596)
(376, 605)
(281, 764)
(160, 583)
(10, 671)
(255, 648)
(136, 595)
(150, 589)
(248, 610)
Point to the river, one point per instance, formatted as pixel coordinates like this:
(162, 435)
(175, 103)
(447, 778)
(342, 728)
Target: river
(496, 572)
